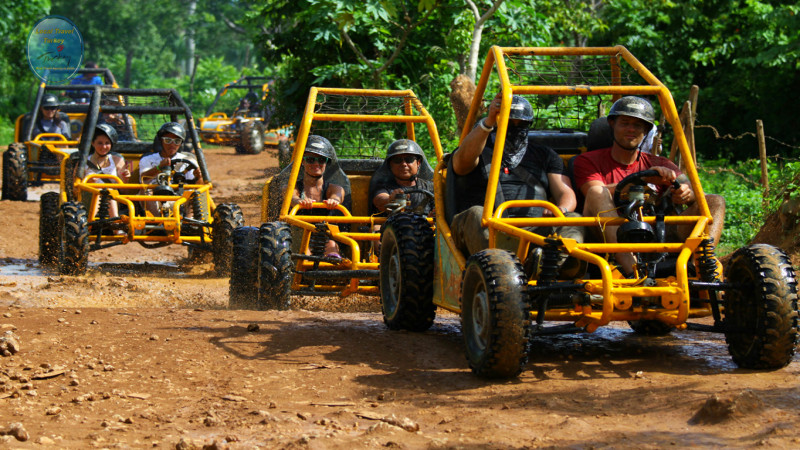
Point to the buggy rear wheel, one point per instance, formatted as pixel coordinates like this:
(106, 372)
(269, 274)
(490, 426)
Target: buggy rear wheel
(49, 243)
(252, 137)
(275, 277)
(284, 153)
(74, 255)
(243, 287)
(495, 314)
(406, 275)
(227, 217)
(15, 173)
(761, 316)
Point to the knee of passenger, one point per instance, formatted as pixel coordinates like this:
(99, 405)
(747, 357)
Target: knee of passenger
(715, 202)
(595, 192)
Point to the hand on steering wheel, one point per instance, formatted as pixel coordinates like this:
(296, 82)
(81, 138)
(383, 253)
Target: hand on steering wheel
(621, 195)
(179, 176)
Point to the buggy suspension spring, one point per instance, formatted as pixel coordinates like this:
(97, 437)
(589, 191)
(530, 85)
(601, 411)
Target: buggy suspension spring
(549, 275)
(197, 208)
(707, 261)
(551, 256)
(319, 239)
(105, 201)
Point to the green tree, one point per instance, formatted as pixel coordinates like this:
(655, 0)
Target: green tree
(17, 18)
(742, 53)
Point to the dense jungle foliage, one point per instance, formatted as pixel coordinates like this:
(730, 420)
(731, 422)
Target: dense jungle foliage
(743, 54)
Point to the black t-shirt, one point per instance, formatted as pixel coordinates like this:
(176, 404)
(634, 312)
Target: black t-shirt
(538, 161)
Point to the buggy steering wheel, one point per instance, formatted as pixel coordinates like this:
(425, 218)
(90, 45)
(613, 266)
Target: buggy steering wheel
(400, 205)
(621, 198)
(180, 176)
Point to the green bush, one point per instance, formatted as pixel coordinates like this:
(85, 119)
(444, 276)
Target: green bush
(739, 184)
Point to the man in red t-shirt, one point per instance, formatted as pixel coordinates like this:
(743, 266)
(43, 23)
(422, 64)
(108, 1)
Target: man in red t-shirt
(598, 172)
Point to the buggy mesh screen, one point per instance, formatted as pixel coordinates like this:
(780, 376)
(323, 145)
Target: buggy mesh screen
(141, 127)
(359, 139)
(574, 112)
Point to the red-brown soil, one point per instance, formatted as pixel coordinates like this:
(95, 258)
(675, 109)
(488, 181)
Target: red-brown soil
(143, 352)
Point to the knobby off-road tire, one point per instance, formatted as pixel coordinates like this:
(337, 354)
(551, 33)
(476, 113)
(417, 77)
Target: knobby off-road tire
(284, 153)
(275, 271)
(406, 273)
(650, 327)
(252, 137)
(227, 217)
(243, 287)
(74, 239)
(49, 239)
(69, 176)
(15, 173)
(495, 314)
(762, 316)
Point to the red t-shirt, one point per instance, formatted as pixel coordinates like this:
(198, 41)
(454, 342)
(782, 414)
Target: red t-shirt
(599, 165)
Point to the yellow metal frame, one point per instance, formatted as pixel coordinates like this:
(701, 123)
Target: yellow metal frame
(289, 215)
(91, 185)
(613, 292)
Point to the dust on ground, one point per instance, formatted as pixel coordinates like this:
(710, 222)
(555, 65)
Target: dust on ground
(143, 352)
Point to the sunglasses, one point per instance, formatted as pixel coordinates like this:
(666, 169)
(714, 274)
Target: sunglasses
(172, 141)
(399, 159)
(315, 159)
(50, 108)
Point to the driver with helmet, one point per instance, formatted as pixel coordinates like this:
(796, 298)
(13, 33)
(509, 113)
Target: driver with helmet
(404, 158)
(168, 141)
(598, 172)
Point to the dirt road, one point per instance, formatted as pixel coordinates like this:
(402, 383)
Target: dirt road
(142, 352)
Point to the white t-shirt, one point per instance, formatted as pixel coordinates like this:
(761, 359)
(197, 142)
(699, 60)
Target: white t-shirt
(154, 159)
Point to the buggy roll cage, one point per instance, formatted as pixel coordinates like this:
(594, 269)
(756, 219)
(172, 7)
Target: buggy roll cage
(177, 108)
(241, 83)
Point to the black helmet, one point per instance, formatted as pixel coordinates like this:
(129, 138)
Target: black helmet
(520, 109)
(49, 100)
(320, 146)
(171, 127)
(108, 130)
(404, 147)
(632, 106)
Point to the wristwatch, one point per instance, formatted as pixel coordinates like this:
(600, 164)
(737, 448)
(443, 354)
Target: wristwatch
(563, 210)
(484, 127)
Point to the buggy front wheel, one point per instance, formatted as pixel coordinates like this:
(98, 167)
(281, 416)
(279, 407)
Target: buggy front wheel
(406, 275)
(761, 314)
(275, 271)
(495, 314)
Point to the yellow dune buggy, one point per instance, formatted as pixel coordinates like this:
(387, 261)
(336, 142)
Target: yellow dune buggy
(246, 127)
(677, 283)
(76, 220)
(285, 256)
(32, 160)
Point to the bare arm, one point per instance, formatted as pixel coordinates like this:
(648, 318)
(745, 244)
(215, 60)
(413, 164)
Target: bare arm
(561, 189)
(335, 196)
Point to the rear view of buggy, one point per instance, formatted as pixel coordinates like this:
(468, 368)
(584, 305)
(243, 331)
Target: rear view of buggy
(678, 283)
(161, 210)
(285, 257)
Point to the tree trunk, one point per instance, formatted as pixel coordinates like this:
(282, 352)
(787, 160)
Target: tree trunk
(128, 61)
(477, 32)
(190, 41)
